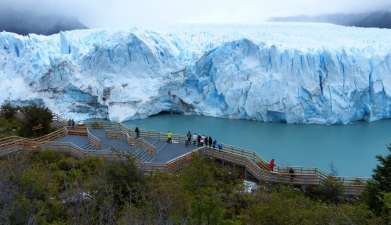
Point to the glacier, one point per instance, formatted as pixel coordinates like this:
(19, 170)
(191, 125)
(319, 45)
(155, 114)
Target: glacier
(272, 72)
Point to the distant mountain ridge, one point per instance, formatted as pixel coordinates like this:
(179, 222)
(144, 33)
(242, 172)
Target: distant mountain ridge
(27, 22)
(379, 19)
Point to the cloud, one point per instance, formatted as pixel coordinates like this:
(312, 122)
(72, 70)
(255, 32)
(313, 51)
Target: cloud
(122, 13)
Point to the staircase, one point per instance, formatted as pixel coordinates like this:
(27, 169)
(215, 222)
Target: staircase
(159, 144)
(89, 148)
(79, 130)
(139, 154)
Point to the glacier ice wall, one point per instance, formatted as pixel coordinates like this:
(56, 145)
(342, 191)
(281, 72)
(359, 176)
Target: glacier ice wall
(277, 72)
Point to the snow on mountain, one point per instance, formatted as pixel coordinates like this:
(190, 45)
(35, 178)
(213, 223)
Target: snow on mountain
(286, 72)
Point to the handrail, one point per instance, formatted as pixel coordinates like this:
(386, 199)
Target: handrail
(352, 187)
(125, 135)
(250, 160)
(229, 148)
(66, 146)
(184, 155)
(15, 140)
(94, 140)
(148, 166)
(144, 144)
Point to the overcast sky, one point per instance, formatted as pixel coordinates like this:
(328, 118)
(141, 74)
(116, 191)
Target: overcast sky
(123, 13)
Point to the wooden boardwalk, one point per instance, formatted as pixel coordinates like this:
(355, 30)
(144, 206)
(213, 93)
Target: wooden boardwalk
(112, 140)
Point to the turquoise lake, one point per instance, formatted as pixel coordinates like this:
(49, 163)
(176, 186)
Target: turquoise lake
(350, 149)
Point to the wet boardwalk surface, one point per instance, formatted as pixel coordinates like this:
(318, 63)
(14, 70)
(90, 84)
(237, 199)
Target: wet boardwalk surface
(164, 151)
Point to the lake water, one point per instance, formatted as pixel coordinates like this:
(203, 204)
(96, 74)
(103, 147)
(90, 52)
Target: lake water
(351, 149)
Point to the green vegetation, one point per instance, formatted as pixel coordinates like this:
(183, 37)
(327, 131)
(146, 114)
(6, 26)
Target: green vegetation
(329, 191)
(28, 121)
(52, 188)
(378, 193)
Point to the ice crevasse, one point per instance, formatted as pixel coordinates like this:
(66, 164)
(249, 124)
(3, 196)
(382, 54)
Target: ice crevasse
(274, 72)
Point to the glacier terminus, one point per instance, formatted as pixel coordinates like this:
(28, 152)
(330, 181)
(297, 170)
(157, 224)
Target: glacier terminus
(272, 72)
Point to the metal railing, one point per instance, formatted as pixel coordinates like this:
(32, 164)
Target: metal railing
(126, 135)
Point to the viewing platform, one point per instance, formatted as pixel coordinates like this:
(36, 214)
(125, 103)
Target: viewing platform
(152, 152)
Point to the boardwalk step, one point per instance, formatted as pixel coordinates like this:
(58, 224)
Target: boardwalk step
(77, 132)
(89, 147)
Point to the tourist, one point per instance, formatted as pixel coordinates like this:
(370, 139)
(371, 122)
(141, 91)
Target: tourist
(292, 174)
(272, 164)
(137, 131)
(195, 137)
(188, 142)
(220, 146)
(169, 137)
(199, 140)
(210, 141)
(202, 140)
(214, 143)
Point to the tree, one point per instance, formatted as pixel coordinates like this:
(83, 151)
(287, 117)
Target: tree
(330, 190)
(387, 200)
(210, 189)
(37, 121)
(7, 111)
(380, 184)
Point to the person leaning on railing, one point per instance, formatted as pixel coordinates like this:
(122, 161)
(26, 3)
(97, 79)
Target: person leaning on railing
(169, 137)
(214, 144)
(188, 141)
(272, 164)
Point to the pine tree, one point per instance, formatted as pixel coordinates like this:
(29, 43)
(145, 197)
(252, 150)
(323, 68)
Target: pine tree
(380, 186)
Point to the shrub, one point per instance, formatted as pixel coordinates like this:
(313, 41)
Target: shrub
(7, 111)
(380, 184)
(330, 190)
(53, 188)
(37, 121)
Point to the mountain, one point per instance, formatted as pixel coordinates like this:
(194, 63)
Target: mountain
(379, 19)
(274, 72)
(28, 21)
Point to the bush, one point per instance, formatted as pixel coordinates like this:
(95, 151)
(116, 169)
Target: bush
(7, 111)
(37, 121)
(331, 190)
(52, 188)
(376, 193)
(288, 207)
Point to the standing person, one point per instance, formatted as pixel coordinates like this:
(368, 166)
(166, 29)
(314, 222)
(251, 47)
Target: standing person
(195, 137)
(210, 141)
(188, 142)
(272, 164)
(292, 174)
(169, 137)
(137, 131)
(199, 140)
(202, 140)
(214, 143)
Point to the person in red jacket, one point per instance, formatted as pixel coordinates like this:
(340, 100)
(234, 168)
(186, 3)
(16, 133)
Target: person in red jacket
(272, 164)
